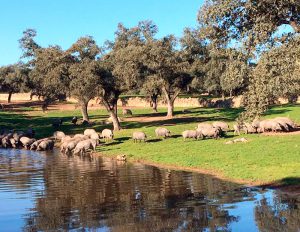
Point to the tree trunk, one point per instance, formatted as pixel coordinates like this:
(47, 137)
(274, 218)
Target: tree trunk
(170, 108)
(170, 101)
(115, 107)
(113, 111)
(230, 93)
(115, 120)
(9, 97)
(154, 106)
(292, 98)
(84, 111)
(223, 96)
(154, 102)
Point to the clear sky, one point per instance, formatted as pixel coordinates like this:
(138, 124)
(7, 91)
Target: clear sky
(62, 22)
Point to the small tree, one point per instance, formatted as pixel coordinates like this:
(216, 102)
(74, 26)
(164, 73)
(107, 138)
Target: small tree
(13, 79)
(235, 72)
(83, 80)
(225, 71)
(152, 88)
(255, 26)
(124, 68)
(108, 91)
(276, 75)
(48, 68)
(29, 46)
(50, 75)
(167, 64)
(195, 52)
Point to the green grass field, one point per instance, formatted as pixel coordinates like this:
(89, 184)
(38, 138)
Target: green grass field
(263, 160)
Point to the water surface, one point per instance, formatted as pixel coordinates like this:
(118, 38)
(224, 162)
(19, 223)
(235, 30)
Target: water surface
(53, 192)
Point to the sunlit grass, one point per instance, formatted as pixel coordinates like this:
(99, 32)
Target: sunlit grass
(263, 159)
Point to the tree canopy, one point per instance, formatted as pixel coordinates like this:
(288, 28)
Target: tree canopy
(239, 48)
(13, 79)
(83, 80)
(252, 22)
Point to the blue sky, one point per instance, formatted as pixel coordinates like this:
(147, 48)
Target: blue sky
(62, 22)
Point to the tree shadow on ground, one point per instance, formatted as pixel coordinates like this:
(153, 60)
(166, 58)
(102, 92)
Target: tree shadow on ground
(288, 181)
(122, 139)
(17, 105)
(196, 115)
(175, 136)
(116, 142)
(42, 124)
(153, 140)
(170, 122)
(155, 114)
(198, 111)
(275, 109)
(227, 136)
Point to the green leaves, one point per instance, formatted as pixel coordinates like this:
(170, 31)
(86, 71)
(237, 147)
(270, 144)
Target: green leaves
(249, 22)
(13, 78)
(276, 75)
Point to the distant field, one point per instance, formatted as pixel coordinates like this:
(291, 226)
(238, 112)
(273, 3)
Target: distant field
(264, 159)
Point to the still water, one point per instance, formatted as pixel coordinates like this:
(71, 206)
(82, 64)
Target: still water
(53, 192)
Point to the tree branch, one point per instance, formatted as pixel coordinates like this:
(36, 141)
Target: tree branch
(175, 94)
(166, 93)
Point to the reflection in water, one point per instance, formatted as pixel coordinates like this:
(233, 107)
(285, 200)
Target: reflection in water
(56, 192)
(280, 213)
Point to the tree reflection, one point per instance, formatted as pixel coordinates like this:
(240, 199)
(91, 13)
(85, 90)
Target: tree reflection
(282, 213)
(127, 197)
(73, 193)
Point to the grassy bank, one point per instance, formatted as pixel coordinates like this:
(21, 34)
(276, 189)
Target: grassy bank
(264, 159)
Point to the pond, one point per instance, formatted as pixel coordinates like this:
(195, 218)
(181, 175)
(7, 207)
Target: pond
(53, 192)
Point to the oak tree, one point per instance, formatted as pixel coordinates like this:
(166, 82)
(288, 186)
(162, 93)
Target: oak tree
(83, 82)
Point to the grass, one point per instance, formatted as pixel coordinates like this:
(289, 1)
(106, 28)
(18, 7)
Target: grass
(263, 160)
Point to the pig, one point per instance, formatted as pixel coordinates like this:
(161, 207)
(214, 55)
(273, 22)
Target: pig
(58, 135)
(88, 132)
(26, 142)
(192, 134)
(107, 134)
(45, 145)
(139, 136)
(223, 125)
(162, 132)
(84, 145)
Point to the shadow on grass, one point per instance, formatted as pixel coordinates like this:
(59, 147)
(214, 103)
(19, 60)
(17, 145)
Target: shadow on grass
(281, 109)
(43, 124)
(227, 136)
(122, 139)
(290, 181)
(153, 140)
(116, 142)
(197, 115)
(175, 136)
(276, 111)
(227, 114)
(166, 122)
